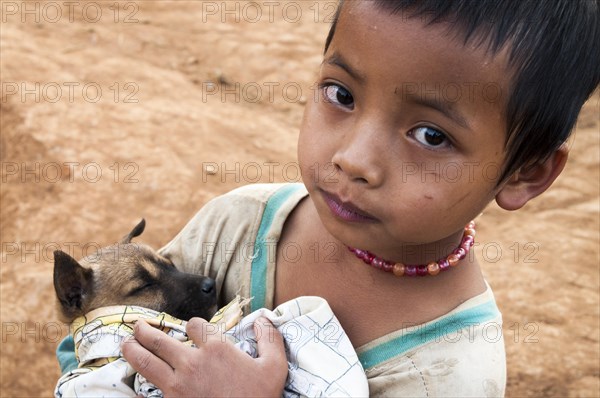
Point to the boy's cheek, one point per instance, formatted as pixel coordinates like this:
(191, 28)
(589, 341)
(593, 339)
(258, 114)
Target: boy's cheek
(435, 192)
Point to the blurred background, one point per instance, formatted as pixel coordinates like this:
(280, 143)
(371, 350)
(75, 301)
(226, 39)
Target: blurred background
(116, 110)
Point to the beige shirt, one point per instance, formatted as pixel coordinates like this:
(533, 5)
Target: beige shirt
(233, 239)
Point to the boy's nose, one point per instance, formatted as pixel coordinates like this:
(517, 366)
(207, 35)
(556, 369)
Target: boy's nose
(359, 160)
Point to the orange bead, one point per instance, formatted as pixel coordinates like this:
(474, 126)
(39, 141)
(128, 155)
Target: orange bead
(469, 232)
(453, 259)
(433, 268)
(398, 269)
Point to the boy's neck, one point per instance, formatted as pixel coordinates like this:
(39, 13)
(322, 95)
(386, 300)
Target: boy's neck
(351, 287)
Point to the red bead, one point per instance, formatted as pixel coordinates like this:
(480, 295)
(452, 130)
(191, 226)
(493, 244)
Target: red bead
(460, 252)
(443, 264)
(410, 270)
(422, 270)
(467, 241)
(377, 263)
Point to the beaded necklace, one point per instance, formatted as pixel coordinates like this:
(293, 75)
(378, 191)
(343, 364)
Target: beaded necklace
(433, 268)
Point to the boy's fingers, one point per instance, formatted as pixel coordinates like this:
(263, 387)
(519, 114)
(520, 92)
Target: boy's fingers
(201, 331)
(270, 344)
(143, 361)
(158, 343)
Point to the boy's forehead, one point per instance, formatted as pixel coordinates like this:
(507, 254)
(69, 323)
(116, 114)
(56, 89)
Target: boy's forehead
(375, 42)
(367, 15)
(408, 62)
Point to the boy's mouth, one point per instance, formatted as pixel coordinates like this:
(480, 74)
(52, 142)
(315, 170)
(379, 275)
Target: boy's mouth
(347, 211)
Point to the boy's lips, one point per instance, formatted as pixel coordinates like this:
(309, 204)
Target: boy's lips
(347, 211)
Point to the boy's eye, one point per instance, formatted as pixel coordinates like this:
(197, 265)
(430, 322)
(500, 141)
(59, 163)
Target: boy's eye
(430, 137)
(338, 95)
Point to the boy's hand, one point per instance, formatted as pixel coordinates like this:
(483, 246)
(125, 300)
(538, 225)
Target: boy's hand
(215, 368)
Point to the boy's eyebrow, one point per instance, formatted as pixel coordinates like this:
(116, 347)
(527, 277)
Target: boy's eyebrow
(337, 60)
(441, 106)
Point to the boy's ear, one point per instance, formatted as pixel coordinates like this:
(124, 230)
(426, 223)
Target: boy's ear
(531, 181)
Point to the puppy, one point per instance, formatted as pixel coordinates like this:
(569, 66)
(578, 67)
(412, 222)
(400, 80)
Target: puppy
(130, 274)
(104, 294)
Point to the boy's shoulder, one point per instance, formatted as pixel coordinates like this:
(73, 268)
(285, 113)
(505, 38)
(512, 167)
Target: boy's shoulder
(220, 238)
(240, 213)
(262, 193)
(254, 200)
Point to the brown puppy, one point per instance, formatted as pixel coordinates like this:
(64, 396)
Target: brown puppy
(130, 274)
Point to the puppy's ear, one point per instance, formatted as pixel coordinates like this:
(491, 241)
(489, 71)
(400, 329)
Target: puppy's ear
(72, 283)
(136, 231)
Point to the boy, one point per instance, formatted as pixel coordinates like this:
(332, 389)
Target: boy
(541, 57)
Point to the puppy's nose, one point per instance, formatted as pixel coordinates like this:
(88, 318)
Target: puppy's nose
(208, 285)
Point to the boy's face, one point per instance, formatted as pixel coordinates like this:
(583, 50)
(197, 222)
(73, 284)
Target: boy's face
(409, 128)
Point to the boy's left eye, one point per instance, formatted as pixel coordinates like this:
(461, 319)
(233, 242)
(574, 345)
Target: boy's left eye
(430, 137)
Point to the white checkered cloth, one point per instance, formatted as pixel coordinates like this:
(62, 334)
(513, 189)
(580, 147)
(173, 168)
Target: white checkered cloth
(321, 359)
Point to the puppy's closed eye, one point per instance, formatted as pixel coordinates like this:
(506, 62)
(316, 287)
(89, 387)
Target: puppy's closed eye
(141, 289)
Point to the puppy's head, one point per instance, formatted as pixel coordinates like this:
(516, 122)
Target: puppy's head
(130, 274)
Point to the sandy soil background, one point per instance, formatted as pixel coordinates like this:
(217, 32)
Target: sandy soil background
(111, 111)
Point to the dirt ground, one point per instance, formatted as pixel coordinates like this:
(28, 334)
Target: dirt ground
(116, 111)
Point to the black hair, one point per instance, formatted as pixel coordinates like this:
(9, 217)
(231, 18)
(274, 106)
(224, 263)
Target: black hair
(554, 53)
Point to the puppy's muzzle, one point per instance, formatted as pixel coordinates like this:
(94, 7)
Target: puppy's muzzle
(208, 286)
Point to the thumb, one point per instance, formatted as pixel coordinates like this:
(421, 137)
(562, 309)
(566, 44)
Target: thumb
(269, 343)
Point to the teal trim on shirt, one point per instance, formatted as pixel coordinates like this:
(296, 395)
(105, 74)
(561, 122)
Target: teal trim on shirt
(258, 275)
(65, 353)
(445, 329)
